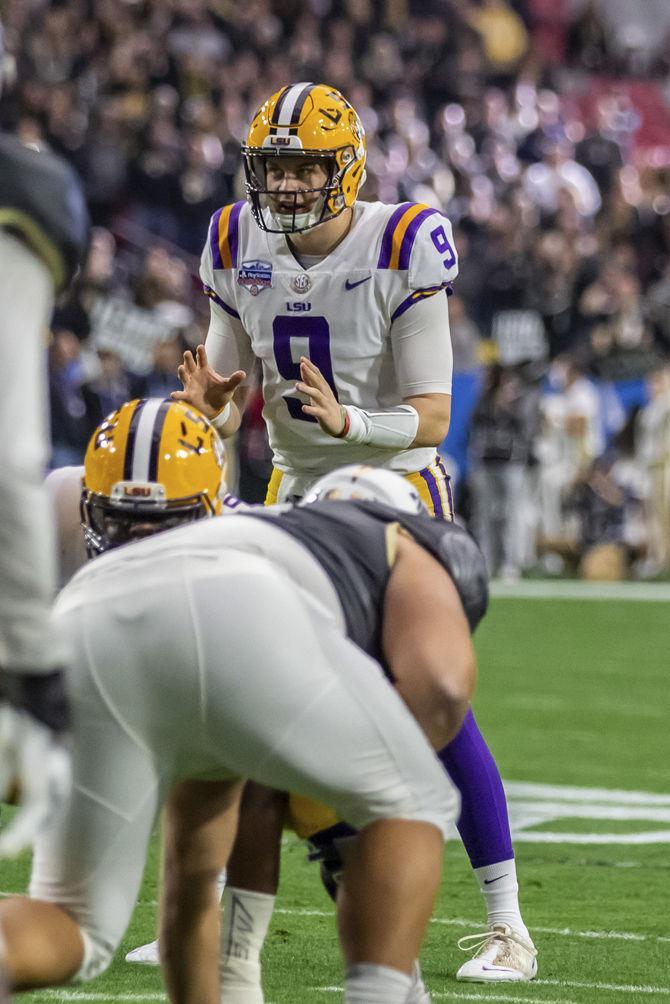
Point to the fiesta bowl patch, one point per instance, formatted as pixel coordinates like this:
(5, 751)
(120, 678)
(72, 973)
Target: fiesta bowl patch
(255, 275)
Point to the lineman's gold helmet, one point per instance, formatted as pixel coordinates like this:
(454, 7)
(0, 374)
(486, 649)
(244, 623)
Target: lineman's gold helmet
(311, 120)
(151, 465)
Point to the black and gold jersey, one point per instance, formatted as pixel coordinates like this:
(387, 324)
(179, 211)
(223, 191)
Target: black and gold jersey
(42, 203)
(354, 543)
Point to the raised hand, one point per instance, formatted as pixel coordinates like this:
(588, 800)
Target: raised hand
(323, 404)
(204, 388)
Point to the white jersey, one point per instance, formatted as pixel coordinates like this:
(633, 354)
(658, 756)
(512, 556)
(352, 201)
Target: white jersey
(64, 486)
(357, 314)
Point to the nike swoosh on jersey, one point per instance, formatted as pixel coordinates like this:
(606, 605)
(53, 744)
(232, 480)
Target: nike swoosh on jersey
(352, 285)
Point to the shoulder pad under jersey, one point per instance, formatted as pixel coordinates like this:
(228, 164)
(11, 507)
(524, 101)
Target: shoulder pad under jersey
(220, 255)
(41, 202)
(417, 239)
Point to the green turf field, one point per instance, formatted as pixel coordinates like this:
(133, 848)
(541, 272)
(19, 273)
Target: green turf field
(572, 695)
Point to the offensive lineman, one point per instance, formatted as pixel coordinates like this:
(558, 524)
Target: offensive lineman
(154, 463)
(344, 304)
(43, 233)
(155, 713)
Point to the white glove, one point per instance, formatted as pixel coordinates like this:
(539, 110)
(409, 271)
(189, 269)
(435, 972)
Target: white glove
(33, 760)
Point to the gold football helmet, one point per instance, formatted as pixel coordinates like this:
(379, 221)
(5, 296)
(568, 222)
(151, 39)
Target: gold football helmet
(151, 465)
(310, 120)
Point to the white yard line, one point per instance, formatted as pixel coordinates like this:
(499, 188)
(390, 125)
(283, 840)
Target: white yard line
(614, 987)
(506, 998)
(569, 793)
(622, 988)
(473, 925)
(85, 995)
(457, 995)
(562, 589)
(564, 932)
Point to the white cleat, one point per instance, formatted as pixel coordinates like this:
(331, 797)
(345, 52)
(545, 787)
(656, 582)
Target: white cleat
(145, 955)
(500, 954)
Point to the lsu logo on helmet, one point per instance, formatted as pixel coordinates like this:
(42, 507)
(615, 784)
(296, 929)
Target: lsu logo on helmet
(151, 465)
(310, 120)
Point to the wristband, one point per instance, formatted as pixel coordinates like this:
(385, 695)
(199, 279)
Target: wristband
(347, 423)
(221, 417)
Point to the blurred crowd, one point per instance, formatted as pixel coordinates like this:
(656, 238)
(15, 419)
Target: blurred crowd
(541, 127)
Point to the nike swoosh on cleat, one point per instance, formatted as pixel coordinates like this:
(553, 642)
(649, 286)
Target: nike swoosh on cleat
(496, 879)
(352, 285)
(497, 969)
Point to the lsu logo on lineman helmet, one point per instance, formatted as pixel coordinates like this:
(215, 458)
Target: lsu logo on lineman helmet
(151, 465)
(311, 120)
(369, 484)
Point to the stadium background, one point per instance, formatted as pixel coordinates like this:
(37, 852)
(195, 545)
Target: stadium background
(541, 127)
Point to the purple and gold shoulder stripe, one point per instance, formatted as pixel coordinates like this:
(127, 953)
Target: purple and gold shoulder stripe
(223, 235)
(213, 295)
(420, 294)
(400, 234)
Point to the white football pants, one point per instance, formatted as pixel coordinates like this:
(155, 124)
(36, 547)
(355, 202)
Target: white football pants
(213, 665)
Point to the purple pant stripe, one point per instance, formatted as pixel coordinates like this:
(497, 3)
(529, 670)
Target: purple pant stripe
(387, 240)
(410, 235)
(429, 478)
(447, 483)
(483, 824)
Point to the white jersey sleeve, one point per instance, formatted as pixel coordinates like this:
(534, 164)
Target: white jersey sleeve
(64, 488)
(27, 548)
(433, 259)
(228, 344)
(417, 243)
(422, 348)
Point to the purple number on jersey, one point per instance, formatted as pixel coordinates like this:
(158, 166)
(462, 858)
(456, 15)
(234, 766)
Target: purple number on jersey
(441, 242)
(317, 333)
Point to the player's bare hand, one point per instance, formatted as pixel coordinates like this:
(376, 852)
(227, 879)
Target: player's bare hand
(204, 388)
(323, 404)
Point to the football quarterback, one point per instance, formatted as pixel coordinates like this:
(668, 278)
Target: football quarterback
(343, 303)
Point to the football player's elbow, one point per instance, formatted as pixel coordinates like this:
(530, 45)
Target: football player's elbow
(434, 419)
(438, 691)
(451, 690)
(457, 685)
